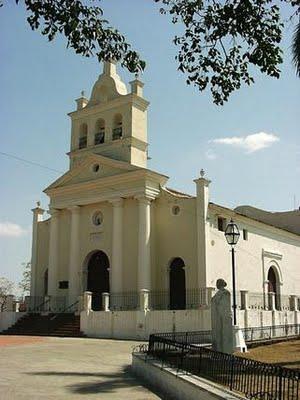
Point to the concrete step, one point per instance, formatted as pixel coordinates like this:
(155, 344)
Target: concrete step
(67, 325)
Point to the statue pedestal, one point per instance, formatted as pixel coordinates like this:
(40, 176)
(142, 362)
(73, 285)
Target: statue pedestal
(239, 343)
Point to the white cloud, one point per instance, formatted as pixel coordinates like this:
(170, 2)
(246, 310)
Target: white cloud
(10, 229)
(250, 143)
(210, 155)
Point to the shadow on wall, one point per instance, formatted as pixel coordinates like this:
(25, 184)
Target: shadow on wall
(108, 383)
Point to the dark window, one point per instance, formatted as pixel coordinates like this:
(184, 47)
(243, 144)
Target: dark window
(99, 137)
(83, 142)
(245, 234)
(177, 285)
(63, 284)
(221, 224)
(96, 167)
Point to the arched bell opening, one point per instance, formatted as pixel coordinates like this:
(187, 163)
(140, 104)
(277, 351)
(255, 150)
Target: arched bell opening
(83, 134)
(117, 132)
(99, 132)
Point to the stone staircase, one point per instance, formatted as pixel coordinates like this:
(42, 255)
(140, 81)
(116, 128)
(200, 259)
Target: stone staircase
(61, 325)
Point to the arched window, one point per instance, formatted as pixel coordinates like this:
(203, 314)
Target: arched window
(83, 132)
(100, 131)
(177, 285)
(273, 285)
(117, 127)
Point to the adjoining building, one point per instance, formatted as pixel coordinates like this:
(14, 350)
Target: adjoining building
(117, 228)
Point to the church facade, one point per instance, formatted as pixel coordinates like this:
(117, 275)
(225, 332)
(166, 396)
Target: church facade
(115, 227)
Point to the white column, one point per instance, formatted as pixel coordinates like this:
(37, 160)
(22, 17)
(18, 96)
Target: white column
(74, 257)
(144, 262)
(87, 301)
(37, 217)
(53, 253)
(105, 301)
(144, 300)
(117, 246)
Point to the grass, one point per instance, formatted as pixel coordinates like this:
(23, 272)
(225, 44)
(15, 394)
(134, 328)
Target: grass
(285, 354)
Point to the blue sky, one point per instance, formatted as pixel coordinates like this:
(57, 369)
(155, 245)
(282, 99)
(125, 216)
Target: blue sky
(39, 82)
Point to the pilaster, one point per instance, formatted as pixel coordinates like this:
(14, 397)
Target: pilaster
(74, 255)
(53, 253)
(117, 246)
(144, 260)
(37, 217)
(202, 201)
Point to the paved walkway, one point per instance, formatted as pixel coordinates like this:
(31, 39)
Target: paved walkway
(66, 368)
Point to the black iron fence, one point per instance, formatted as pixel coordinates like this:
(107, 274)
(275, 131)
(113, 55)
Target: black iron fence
(195, 298)
(270, 332)
(124, 301)
(185, 338)
(157, 300)
(256, 380)
(37, 304)
(250, 334)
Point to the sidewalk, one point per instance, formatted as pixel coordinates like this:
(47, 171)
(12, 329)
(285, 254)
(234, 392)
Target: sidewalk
(68, 368)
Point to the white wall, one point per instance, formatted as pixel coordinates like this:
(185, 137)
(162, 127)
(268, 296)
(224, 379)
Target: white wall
(179, 386)
(251, 264)
(139, 325)
(9, 318)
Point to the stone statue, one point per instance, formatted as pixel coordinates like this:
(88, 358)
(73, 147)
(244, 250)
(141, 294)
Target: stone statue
(221, 319)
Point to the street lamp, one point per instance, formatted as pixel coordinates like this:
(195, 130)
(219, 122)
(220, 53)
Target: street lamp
(232, 235)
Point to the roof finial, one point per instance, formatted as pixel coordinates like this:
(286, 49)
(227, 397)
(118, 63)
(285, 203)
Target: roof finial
(38, 204)
(202, 173)
(110, 68)
(82, 93)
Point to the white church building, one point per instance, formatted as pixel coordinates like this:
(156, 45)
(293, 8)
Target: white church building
(116, 228)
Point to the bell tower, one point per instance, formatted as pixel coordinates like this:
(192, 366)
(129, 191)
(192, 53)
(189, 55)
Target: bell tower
(112, 123)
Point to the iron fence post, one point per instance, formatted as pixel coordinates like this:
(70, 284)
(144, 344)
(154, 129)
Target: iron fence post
(280, 383)
(231, 372)
(200, 360)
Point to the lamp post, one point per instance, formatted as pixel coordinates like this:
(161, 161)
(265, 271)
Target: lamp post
(232, 235)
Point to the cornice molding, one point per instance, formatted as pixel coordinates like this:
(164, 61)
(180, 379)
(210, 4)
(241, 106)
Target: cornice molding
(130, 98)
(143, 199)
(54, 212)
(117, 202)
(74, 209)
(86, 197)
(226, 212)
(126, 141)
(271, 254)
(103, 182)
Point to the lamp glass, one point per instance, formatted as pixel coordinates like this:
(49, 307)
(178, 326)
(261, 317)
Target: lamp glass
(232, 233)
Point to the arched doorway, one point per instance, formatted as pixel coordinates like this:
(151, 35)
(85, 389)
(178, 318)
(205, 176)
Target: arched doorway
(98, 278)
(272, 285)
(177, 285)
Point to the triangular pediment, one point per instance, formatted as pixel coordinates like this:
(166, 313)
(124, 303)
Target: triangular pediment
(94, 167)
